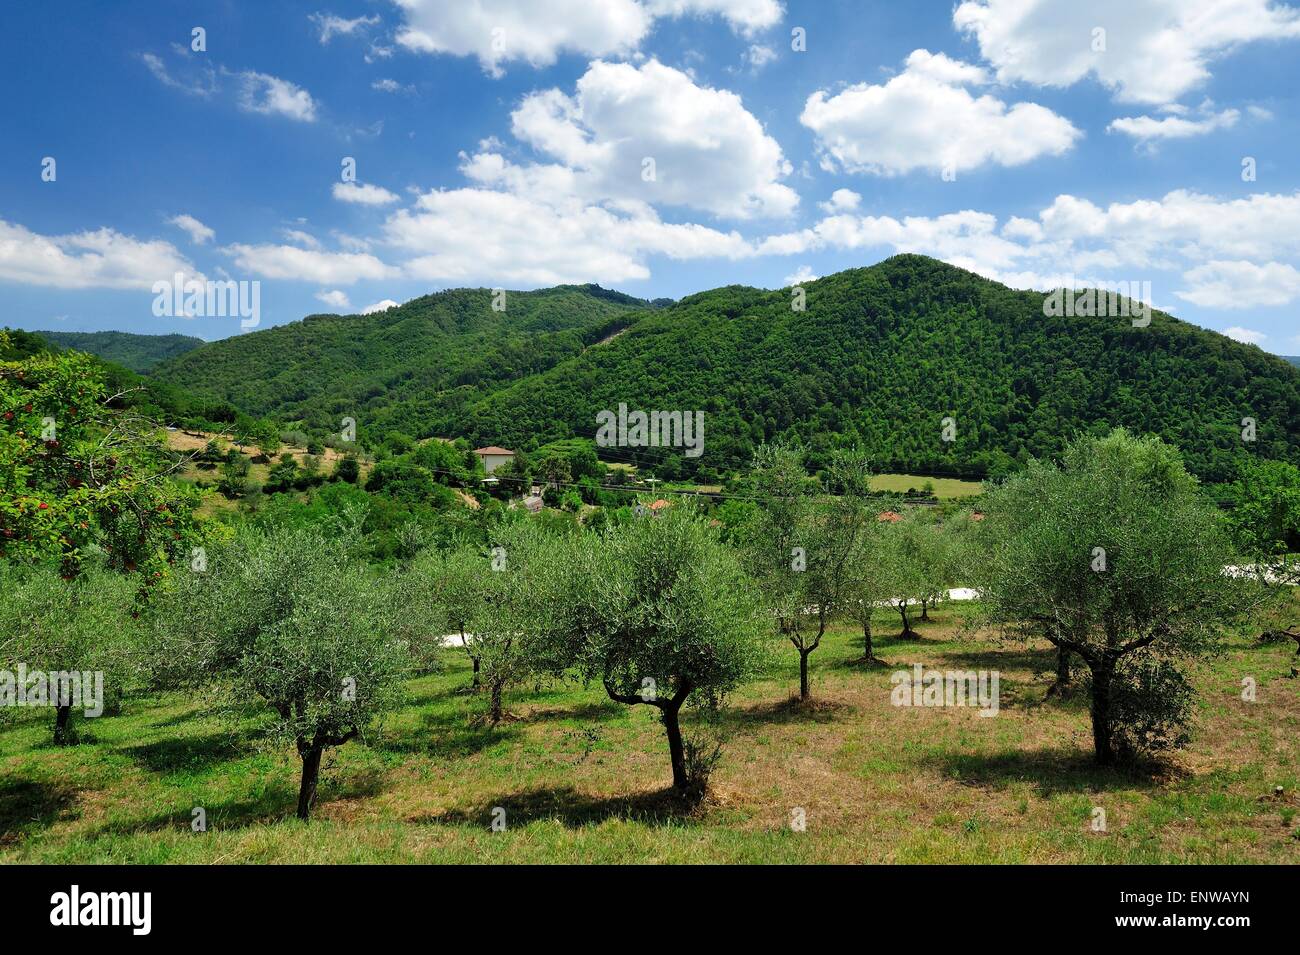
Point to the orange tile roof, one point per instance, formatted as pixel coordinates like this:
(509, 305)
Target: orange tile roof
(493, 449)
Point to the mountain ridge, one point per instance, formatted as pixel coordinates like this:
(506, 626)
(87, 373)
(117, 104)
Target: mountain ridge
(878, 358)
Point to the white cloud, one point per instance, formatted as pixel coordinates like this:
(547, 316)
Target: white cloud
(745, 16)
(841, 200)
(204, 84)
(1202, 238)
(503, 31)
(198, 232)
(308, 265)
(390, 86)
(298, 237)
(1240, 284)
(802, 274)
(334, 298)
(330, 25)
(925, 118)
(758, 56)
(270, 95)
(380, 306)
(708, 151)
(366, 195)
(103, 258)
(1146, 129)
(462, 235)
(1247, 335)
(1155, 50)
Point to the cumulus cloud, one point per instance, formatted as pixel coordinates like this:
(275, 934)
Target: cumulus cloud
(463, 235)
(334, 298)
(298, 237)
(102, 258)
(758, 56)
(198, 232)
(363, 194)
(1240, 284)
(308, 265)
(380, 306)
(1247, 335)
(272, 96)
(1202, 238)
(927, 118)
(841, 200)
(1152, 51)
(1147, 129)
(800, 275)
(501, 31)
(650, 133)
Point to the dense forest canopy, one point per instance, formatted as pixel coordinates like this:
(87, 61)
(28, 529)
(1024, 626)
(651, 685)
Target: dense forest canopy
(411, 368)
(878, 358)
(882, 355)
(139, 353)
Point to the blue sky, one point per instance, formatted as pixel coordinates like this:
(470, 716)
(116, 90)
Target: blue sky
(660, 147)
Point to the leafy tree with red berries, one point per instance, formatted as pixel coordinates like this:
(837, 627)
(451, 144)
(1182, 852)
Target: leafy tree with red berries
(80, 471)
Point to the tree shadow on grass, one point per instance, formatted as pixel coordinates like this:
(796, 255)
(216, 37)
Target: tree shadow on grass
(447, 737)
(187, 752)
(587, 712)
(1052, 771)
(26, 806)
(277, 802)
(573, 809)
(789, 710)
(1035, 661)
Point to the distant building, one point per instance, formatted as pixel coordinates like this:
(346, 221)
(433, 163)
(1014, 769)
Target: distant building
(493, 457)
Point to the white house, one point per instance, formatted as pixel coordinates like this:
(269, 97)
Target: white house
(493, 457)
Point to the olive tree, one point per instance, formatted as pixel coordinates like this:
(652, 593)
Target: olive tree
(444, 593)
(869, 583)
(802, 541)
(509, 637)
(903, 572)
(660, 612)
(293, 619)
(1116, 556)
(70, 637)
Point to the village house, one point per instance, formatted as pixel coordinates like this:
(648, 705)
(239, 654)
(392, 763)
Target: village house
(493, 457)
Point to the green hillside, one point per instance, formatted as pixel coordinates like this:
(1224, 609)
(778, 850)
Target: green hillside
(879, 357)
(136, 352)
(412, 368)
(1294, 359)
(882, 354)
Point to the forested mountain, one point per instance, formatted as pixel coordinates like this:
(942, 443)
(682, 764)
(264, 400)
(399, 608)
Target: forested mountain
(411, 368)
(1294, 359)
(882, 354)
(139, 353)
(879, 357)
(161, 401)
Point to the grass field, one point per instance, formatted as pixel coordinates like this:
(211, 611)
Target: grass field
(583, 780)
(943, 487)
